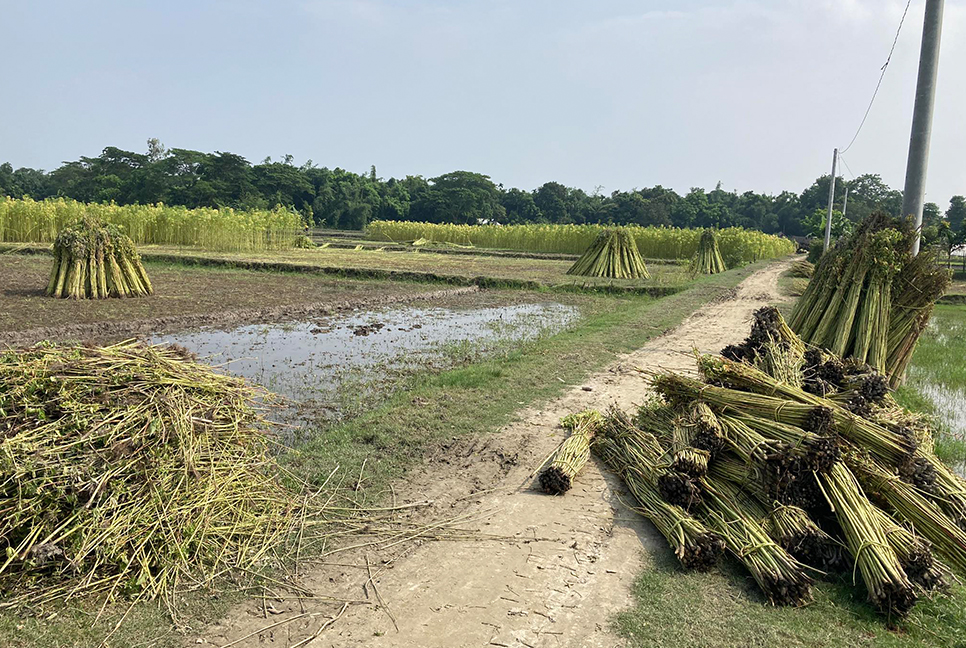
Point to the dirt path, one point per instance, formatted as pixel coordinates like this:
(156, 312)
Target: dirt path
(566, 564)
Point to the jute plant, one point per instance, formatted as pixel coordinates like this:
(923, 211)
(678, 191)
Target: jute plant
(130, 470)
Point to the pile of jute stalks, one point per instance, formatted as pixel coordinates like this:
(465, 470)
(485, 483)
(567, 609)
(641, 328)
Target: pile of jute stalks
(707, 260)
(613, 254)
(798, 463)
(130, 470)
(869, 298)
(94, 260)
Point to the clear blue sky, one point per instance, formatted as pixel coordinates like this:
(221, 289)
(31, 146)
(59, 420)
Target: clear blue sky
(621, 94)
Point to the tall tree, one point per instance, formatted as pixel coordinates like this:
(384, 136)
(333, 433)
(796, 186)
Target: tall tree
(956, 214)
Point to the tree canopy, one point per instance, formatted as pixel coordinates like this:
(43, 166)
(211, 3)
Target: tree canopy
(338, 198)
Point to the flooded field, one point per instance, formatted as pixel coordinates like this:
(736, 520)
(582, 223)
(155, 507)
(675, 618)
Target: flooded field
(939, 374)
(950, 404)
(326, 367)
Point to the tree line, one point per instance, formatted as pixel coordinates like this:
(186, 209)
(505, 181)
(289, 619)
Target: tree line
(337, 198)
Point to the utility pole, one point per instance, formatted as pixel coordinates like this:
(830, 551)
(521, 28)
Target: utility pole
(845, 203)
(915, 189)
(831, 198)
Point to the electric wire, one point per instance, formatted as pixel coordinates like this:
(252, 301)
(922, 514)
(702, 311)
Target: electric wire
(885, 66)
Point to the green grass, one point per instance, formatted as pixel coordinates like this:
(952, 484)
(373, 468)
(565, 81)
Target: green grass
(790, 286)
(723, 609)
(936, 380)
(395, 436)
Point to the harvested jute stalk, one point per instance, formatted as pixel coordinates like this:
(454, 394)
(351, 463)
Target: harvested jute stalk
(130, 469)
(695, 546)
(675, 487)
(94, 260)
(572, 453)
(915, 555)
(707, 260)
(909, 504)
(869, 298)
(782, 578)
(795, 530)
(613, 254)
(886, 581)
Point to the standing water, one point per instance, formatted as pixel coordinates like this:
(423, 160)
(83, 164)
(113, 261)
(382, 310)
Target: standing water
(312, 362)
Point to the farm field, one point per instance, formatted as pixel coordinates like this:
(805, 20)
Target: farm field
(443, 377)
(477, 330)
(472, 408)
(546, 272)
(957, 291)
(937, 379)
(397, 437)
(182, 293)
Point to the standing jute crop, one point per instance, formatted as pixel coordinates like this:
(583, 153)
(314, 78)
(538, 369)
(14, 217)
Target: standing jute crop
(95, 260)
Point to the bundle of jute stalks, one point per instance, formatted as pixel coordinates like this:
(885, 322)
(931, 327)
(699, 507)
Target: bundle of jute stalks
(94, 260)
(707, 260)
(869, 299)
(801, 464)
(571, 455)
(613, 254)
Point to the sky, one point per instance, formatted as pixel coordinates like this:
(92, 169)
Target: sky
(609, 94)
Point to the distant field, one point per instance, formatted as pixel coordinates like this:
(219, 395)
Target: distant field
(39, 221)
(180, 292)
(547, 272)
(738, 246)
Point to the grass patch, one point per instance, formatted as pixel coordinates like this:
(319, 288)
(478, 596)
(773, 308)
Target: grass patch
(723, 609)
(790, 286)
(936, 381)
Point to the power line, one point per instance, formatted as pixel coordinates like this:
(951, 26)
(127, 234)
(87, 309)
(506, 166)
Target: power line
(847, 166)
(881, 76)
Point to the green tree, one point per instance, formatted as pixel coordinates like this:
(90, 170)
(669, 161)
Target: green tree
(815, 224)
(284, 184)
(551, 199)
(519, 206)
(956, 214)
(462, 197)
(816, 196)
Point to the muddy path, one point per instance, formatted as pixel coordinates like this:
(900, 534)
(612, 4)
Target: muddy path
(540, 571)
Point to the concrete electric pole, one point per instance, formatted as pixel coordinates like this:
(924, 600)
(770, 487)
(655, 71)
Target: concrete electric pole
(831, 199)
(915, 189)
